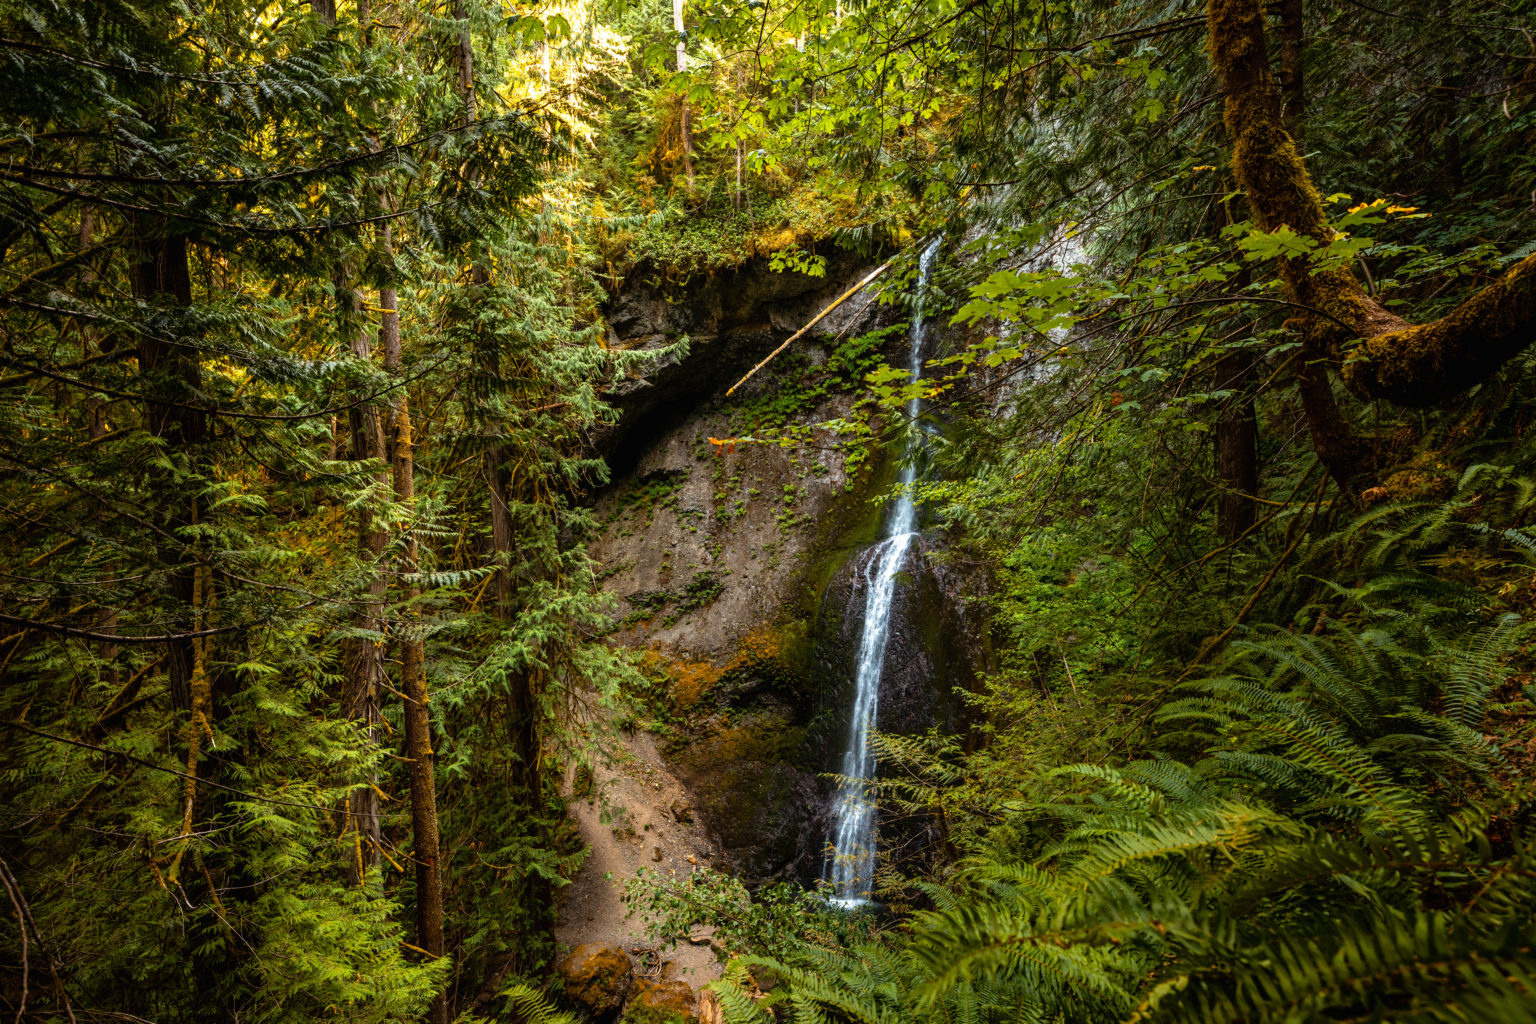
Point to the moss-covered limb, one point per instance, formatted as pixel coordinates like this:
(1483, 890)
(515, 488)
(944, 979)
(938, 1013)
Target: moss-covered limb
(1264, 158)
(1270, 170)
(1418, 366)
(1340, 451)
(1410, 365)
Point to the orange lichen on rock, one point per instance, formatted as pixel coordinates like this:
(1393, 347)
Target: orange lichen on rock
(691, 681)
(687, 681)
(757, 646)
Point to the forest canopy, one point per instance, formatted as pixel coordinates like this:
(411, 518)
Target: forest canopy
(310, 386)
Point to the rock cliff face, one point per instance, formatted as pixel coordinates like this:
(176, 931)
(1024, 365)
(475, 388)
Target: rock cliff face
(735, 563)
(731, 320)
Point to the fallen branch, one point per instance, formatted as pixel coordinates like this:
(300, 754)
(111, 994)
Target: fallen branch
(850, 293)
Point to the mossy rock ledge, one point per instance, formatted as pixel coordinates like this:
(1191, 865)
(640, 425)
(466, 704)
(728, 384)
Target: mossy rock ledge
(597, 977)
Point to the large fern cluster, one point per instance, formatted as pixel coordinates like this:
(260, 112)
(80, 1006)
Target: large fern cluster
(1329, 833)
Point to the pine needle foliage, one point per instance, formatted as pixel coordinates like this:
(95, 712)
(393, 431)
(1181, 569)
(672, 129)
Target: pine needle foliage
(204, 206)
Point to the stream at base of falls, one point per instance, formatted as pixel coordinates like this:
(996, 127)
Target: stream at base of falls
(850, 868)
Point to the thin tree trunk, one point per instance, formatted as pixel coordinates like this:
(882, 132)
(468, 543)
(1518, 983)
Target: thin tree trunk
(1292, 82)
(521, 714)
(524, 776)
(401, 455)
(682, 65)
(173, 375)
(362, 656)
(1237, 446)
(464, 60)
(96, 425)
(523, 724)
(173, 379)
(413, 683)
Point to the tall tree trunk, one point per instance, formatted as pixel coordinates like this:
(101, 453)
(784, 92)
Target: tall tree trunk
(426, 852)
(96, 426)
(1237, 446)
(464, 61)
(1292, 81)
(426, 847)
(362, 656)
(522, 717)
(1412, 365)
(172, 374)
(523, 724)
(173, 379)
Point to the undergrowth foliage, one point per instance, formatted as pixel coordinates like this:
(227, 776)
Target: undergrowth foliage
(1326, 830)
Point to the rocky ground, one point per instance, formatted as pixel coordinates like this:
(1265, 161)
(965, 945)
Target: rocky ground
(637, 816)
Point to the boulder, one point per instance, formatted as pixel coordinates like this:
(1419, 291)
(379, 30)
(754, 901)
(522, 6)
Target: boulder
(597, 976)
(765, 978)
(658, 1001)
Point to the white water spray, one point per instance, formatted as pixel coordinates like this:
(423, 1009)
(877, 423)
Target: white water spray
(851, 866)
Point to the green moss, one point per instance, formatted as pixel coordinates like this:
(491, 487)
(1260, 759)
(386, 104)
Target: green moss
(1418, 366)
(850, 525)
(701, 590)
(641, 1014)
(682, 246)
(639, 498)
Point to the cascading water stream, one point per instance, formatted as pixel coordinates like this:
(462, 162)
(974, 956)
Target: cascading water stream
(851, 866)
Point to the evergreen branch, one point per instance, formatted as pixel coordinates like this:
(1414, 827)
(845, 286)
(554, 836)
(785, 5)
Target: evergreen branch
(212, 410)
(123, 638)
(249, 229)
(371, 156)
(171, 771)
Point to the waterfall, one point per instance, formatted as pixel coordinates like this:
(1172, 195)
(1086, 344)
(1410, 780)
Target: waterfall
(851, 866)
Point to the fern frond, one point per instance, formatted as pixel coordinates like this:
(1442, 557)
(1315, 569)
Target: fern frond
(534, 1007)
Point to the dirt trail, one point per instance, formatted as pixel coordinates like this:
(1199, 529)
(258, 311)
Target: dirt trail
(652, 824)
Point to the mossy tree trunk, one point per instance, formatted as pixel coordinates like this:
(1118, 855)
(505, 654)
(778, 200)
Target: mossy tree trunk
(1412, 365)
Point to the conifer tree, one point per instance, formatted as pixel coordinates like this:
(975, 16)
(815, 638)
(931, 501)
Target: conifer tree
(197, 201)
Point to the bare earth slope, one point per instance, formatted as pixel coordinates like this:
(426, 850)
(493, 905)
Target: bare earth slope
(639, 816)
